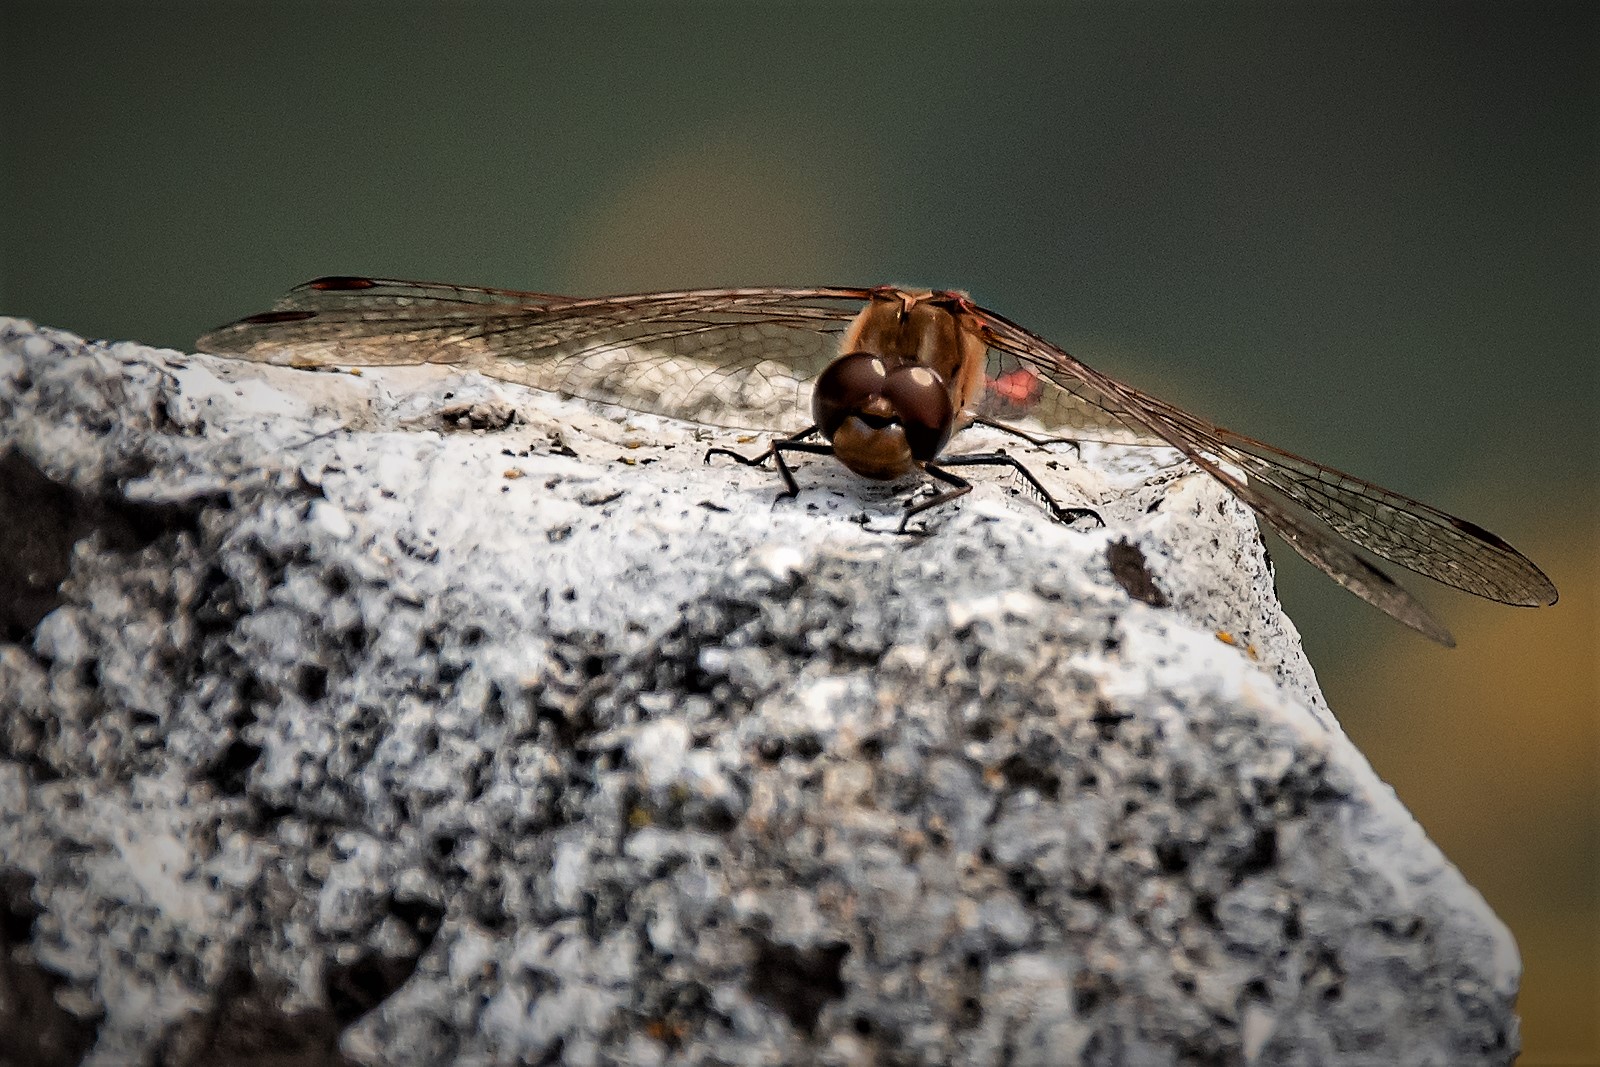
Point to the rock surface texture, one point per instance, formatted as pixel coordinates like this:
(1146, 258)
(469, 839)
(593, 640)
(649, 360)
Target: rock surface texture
(409, 717)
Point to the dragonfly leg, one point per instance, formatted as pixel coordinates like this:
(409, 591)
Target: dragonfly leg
(1032, 439)
(792, 443)
(960, 487)
(1002, 459)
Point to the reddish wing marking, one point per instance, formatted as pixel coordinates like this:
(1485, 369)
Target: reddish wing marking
(1020, 388)
(1065, 410)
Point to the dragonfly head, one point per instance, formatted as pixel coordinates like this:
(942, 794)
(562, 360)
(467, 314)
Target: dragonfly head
(882, 418)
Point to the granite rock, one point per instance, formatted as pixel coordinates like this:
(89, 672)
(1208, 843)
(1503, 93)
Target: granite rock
(406, 716)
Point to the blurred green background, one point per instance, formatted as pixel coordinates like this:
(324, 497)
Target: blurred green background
(1366, 232)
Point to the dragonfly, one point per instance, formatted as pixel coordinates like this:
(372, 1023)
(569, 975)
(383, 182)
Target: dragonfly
(889, 375)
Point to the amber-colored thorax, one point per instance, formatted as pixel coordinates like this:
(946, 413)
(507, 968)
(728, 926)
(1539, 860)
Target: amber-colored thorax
(930, 329)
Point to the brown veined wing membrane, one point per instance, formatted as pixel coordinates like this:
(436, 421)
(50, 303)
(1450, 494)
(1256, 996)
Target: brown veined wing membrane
(1285, 488)
(1015, 392)
(741, 358)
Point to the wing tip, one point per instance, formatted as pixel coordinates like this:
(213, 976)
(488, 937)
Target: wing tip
(339, 283)
(1410, 612)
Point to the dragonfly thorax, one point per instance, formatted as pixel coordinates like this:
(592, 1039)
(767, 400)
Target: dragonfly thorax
(928, 329)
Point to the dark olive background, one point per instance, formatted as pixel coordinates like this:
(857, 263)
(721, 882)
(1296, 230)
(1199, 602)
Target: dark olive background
(1366, 232)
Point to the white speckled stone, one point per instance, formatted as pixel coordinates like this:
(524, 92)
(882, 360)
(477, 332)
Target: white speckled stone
(347, 730)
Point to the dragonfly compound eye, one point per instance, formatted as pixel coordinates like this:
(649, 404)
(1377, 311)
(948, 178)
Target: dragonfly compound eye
(849, 386)
(882, 421)
(922, 400)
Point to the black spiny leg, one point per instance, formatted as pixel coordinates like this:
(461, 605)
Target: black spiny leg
(961, 488)
(1032, 439)
(792, 443)
(991, 459)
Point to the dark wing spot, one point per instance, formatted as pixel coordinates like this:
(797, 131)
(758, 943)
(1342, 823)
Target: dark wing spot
(1474, 530)
(268, 317)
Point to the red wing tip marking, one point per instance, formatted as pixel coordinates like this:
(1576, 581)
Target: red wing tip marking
(341, 282)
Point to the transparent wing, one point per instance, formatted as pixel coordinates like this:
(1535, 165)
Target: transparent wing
(1015, 392)
(742, 358)
(343, 291)
(1312, 506)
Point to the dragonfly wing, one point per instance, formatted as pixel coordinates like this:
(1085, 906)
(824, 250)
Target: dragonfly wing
(1416, 536)
(341, 291)
(1015, 391)
(361, 336)
(742, 358)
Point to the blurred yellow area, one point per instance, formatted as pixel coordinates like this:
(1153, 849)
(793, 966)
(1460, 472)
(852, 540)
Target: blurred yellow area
(715, 212)
(1498, 756)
